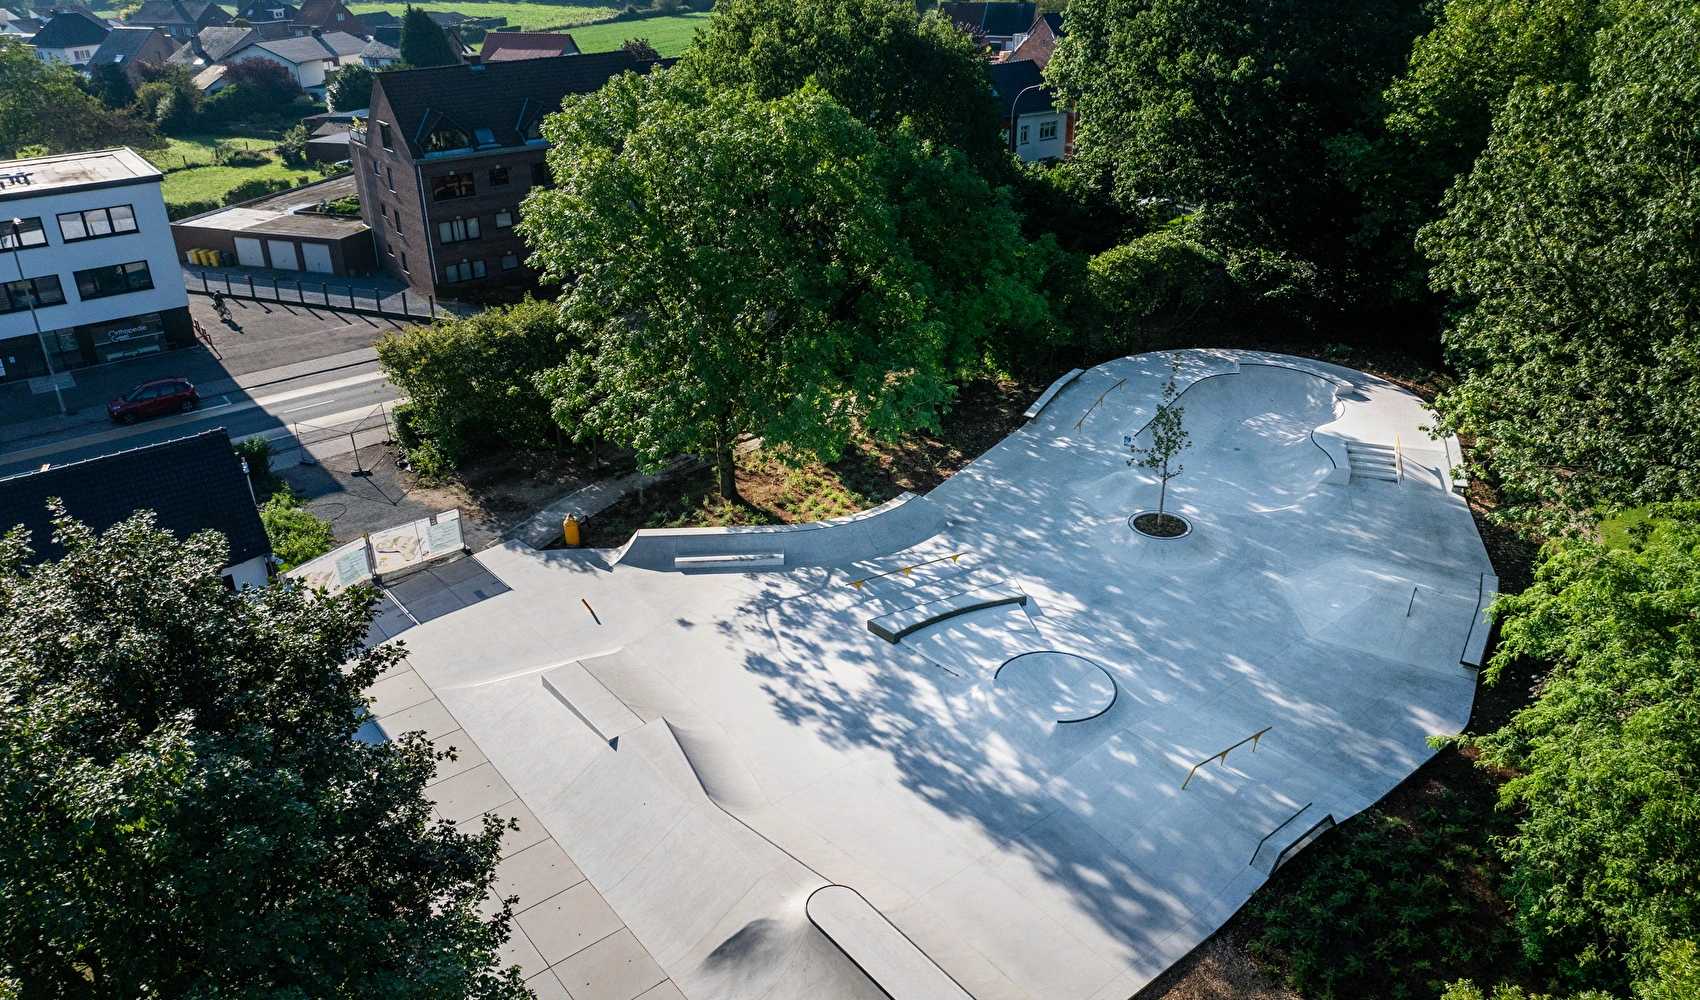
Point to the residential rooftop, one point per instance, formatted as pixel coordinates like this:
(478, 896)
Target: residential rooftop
(100, 168)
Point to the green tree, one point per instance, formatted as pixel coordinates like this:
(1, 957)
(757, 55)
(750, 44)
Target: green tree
(296, 535)
(1233, 110)
(350, 88)
(423, 41)
(111, 84)
(184, 809)
(1168, 440)
(170, 98)
(1604, 765)
(44, 104)
(470, 380)
(740, 266)
(1571, 251)
(1150, 287)
(875, 57)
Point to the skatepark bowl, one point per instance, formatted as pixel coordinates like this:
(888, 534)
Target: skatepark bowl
(938, 749)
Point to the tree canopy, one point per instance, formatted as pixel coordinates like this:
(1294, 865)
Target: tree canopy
(184, 809)
(769, 267)
(876, 58)
(349, 88)
(423, 41)
(44, 105)
(1572, 248)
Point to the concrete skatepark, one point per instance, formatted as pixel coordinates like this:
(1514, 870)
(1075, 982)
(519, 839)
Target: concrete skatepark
(970, 744)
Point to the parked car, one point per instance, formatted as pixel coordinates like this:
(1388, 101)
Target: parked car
(153, 399)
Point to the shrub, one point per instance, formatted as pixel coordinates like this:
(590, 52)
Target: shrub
(246, 158)
(258, 453)
(183, 209)
(296, 535)
(293, 148)
(259, 187)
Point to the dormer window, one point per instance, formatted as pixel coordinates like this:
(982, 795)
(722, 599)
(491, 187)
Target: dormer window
(534, 131)
(485, 137)
(447, 137)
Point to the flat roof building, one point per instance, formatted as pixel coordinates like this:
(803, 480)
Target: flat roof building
(88, 273)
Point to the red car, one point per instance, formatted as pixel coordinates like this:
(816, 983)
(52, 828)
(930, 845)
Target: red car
(152, 399)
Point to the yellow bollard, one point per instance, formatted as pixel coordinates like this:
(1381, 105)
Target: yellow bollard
(569, 531)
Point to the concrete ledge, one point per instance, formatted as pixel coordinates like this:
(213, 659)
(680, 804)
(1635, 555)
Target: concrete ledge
(1481, 627)
(893, 627)
(897, 524)
(731, 561)
(594, 704)
(1051, 393)
(896, 964)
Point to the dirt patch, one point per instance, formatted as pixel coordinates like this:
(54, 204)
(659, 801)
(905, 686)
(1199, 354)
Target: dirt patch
(772, 492)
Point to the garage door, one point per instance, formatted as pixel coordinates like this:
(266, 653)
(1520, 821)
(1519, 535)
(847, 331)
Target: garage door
(248, 252)
(317, 257)
(283, 255)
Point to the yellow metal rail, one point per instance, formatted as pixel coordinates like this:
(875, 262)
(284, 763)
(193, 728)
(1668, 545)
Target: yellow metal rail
(1223, 756)
(1095, 403)
(905, 570)
(1399, 456)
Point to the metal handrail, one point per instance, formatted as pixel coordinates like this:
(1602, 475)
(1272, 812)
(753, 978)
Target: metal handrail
(1095, 403)
(1223, 756)
(905, 570)
(1399, 457)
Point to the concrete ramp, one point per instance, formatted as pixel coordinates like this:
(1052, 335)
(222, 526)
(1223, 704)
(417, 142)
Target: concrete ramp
(605, 714)
(878, 948)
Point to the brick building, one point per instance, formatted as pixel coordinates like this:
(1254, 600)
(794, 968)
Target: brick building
(448, 153)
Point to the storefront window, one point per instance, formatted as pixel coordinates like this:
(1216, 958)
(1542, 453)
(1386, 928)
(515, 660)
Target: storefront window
(20, 358)
(144, 334)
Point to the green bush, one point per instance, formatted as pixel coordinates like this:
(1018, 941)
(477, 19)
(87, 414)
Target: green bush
(469, 380)
(259, 187)
(428, 461)
(296, 535)
(175, 210)
(258, 452)
(247, 158)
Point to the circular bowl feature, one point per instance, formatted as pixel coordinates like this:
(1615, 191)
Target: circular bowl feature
(1145, 522)
(1067, 687)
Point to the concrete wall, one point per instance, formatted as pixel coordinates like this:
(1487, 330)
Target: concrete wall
(351, 255)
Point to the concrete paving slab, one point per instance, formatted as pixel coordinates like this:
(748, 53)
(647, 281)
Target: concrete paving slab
(429, 717)
(568, 922)
(535, 874)
(614, 968)
(466, 755)
(779, 746)
(395, 691)
(548, 987)
(472, 793)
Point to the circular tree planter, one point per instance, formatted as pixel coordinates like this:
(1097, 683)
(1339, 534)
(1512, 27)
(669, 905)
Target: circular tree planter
(1153, 525)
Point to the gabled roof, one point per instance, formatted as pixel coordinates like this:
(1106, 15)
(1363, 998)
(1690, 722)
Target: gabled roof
(380, 19)
(212, 44)
(179, 12)
(998, 18)
(447, 18)
(1054, 21)
(502, 97)
(71, 29)
(309, 47)
(261, 10)
(500, 46)
(1010, 79)
(322, 14)
(377, 51)
(125, 44)
(192, 484)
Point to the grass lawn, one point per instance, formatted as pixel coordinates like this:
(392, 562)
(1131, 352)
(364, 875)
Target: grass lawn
(669, 35)
(530, 16)
(210, 183)
(199, 149)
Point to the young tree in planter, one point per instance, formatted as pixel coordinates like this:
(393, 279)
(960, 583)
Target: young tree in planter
(770, 268)
(1168, 440)
(184, 809)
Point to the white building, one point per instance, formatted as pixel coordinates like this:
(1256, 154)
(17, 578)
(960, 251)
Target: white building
(309, 58)
(84, 239)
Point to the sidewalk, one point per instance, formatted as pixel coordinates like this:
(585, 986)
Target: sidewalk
(377, 293)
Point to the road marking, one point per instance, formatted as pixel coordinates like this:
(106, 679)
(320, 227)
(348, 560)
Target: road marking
(294, 409)
(177, 420)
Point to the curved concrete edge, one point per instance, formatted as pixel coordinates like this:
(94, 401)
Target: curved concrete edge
(899, 523)
(1455, 465)
(1049, 394)
(1481, 626)
(894, 626)
(884, 953)
(1334, 446)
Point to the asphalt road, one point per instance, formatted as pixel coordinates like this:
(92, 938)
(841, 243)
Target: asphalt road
(319, 411)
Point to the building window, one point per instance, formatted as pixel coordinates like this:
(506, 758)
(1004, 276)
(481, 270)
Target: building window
(540, 175)
(484, 137)
(1023, 138)
(389, 175)
(504, 219)
(510, 261)
(1047, 130)
(451, 186)
(458, 230)
(97, 222)
(342, 17)
(27, 233)
(498, 177)
(448, 138)
(384, 136)
(464, 271)
(404, 262)
(42, 291)
(377, 168)
(99, 282)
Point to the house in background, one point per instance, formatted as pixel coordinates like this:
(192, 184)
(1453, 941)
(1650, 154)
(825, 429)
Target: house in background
(1035, 128)
(181, 19)
(71, 37)
(1040, 42)
(999, 24)
(309, 58)
(14, 26)
(191, 484)
(258, 12)
(129, 48)
(447, 154)
(211, 46)
(325, 16)
(505, 46)
(377, 54)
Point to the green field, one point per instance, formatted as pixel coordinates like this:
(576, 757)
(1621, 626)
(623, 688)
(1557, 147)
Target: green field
(669, 35)
(530, 16)
(199, 149)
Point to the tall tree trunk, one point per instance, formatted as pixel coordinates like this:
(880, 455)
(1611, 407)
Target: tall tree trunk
(723, 462)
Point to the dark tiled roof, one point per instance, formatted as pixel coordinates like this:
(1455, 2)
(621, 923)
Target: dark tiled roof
(1009, 79)
(504, 97)
(261, 10)
(447, 18)
(124, 44)
(300, 49)
(500, 45)
(192, 483)
(212, 44)
(322, 14)
(185, 12)
(1054, 20)
(71, 29)
(997, 18)
(380, 18)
